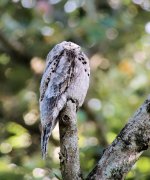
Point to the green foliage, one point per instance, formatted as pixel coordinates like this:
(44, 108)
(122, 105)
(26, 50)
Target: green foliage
(115, 36)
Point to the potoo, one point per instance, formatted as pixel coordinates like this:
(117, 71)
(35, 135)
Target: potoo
(66, 77)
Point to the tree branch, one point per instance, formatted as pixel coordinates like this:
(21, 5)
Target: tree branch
(125, 150)
(69, 152)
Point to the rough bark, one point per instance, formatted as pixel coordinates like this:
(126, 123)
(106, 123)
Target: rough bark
(125, 150)
(117, 159)
(69, 152)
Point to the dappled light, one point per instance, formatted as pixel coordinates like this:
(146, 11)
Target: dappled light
(115, 35)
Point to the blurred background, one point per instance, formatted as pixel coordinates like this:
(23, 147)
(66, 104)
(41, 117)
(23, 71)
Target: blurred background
(115, 35)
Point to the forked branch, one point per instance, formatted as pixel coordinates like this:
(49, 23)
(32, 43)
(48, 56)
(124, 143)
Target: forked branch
(118, 158)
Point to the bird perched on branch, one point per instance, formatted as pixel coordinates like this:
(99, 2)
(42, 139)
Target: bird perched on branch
(66, 77)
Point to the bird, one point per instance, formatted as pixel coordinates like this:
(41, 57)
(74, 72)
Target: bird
(66, 77)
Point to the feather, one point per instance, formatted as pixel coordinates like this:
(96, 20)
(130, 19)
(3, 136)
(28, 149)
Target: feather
(46, 132)
(66, 76)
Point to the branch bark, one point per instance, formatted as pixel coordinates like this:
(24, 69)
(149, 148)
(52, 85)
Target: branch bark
(117, 159)
(69, 152)
(125, 150)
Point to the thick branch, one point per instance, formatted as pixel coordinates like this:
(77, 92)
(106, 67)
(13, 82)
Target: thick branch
(122, 154)
(69, 152)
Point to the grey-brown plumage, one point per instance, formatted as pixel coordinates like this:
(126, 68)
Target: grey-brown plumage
(66, 77)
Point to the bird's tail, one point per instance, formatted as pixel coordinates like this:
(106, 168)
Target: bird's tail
(46, 132)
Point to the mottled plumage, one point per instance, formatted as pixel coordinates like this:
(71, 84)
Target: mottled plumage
(66, 76)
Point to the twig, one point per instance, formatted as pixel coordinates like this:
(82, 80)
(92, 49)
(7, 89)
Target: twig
(122, 154)
(69, 152)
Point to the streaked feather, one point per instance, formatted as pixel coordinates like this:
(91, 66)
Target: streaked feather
(66, 76)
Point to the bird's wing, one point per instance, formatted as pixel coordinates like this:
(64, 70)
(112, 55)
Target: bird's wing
(57, 77)
(55, 81)
(52, 62)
